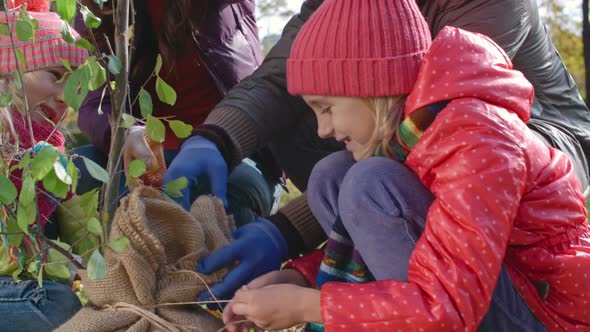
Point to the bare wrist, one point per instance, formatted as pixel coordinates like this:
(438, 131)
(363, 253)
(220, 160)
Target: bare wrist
(310, 306)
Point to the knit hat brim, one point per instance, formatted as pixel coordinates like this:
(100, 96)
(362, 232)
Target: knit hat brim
(46, 54)
(378, 77)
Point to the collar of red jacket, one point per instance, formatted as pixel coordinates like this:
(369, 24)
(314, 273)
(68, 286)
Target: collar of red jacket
(462, 64)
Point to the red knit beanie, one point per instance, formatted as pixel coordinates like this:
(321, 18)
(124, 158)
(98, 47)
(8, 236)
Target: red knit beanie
(47, 49)
(359, 48)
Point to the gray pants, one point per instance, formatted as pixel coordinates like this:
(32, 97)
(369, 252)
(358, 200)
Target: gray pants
(383, 206)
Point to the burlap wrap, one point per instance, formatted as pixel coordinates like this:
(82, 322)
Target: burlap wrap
(157, 267)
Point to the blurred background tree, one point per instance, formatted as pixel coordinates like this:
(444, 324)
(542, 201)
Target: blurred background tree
(564, 21)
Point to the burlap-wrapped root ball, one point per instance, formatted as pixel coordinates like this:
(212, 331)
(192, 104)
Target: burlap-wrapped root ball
(157, 267)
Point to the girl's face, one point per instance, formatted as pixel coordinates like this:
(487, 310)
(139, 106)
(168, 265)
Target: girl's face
(347, 119)
(45, 94)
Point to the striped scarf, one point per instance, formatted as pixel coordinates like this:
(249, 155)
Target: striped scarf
(342, 262)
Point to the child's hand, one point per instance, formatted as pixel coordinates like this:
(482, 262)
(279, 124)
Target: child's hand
(275, 307)
(139, 147)
(237, 323)
(288, 276)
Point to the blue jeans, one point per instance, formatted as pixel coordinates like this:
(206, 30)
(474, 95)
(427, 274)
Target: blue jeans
(383, 206)
(249, 192)
(26, 307)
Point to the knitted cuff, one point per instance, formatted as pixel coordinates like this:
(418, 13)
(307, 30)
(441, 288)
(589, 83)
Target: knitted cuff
(238, 126)
(299, 215)
(225, 145)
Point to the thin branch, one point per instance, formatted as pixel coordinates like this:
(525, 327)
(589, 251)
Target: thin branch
(119, 98)
(62, 251)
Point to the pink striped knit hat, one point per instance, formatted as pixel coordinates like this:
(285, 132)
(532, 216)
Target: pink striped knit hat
(359, 48)
(47, 49)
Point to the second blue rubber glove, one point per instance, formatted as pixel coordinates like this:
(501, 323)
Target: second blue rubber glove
(259, 247)
(198, 157)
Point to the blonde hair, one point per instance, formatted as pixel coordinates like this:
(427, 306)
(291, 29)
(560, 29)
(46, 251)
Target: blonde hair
(388, 114)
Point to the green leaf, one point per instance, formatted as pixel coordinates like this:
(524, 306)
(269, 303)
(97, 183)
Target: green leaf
(61, 173)
(97, 267)
(158, 64)
(66, 33)
(174, 187)
(27, 190)
(94, 226)
(43, 161)
(50, 182)
(5, 99)
(73, 216)
(95, 170)
(145, 103)
(40, 276)
(128, 120)
(84, 43)
(4, 30)
(90, 20)
(33, 267)
(66, 9)
(21, 57)
(119, 244)
(7, 190)
(25, 216)
(55, 186)
(165, 92)
(98, 76)
(12, 227)
(137, 168)
(66, 64)
(58, 270)
(25, 26)
(180, 129)
(73, 173)
(61, 189)
(76, 87)
(115, 64)
(58, 263)
(57, 256)
(155, 129)
(18, 83)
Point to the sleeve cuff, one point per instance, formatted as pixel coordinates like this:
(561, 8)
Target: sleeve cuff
(220, 138)
(308, 266)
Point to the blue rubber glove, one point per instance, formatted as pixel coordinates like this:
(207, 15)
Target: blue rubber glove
(259, 247)
(198, 157)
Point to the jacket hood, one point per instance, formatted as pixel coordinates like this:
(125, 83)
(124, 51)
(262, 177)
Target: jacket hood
(462, 64)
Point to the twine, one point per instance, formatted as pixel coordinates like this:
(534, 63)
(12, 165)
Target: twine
(157, 321)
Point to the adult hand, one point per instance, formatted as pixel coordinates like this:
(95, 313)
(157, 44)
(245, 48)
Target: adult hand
(139, 147)
(286, 276)
(259, 247)
(197, 157)
(275, 307)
